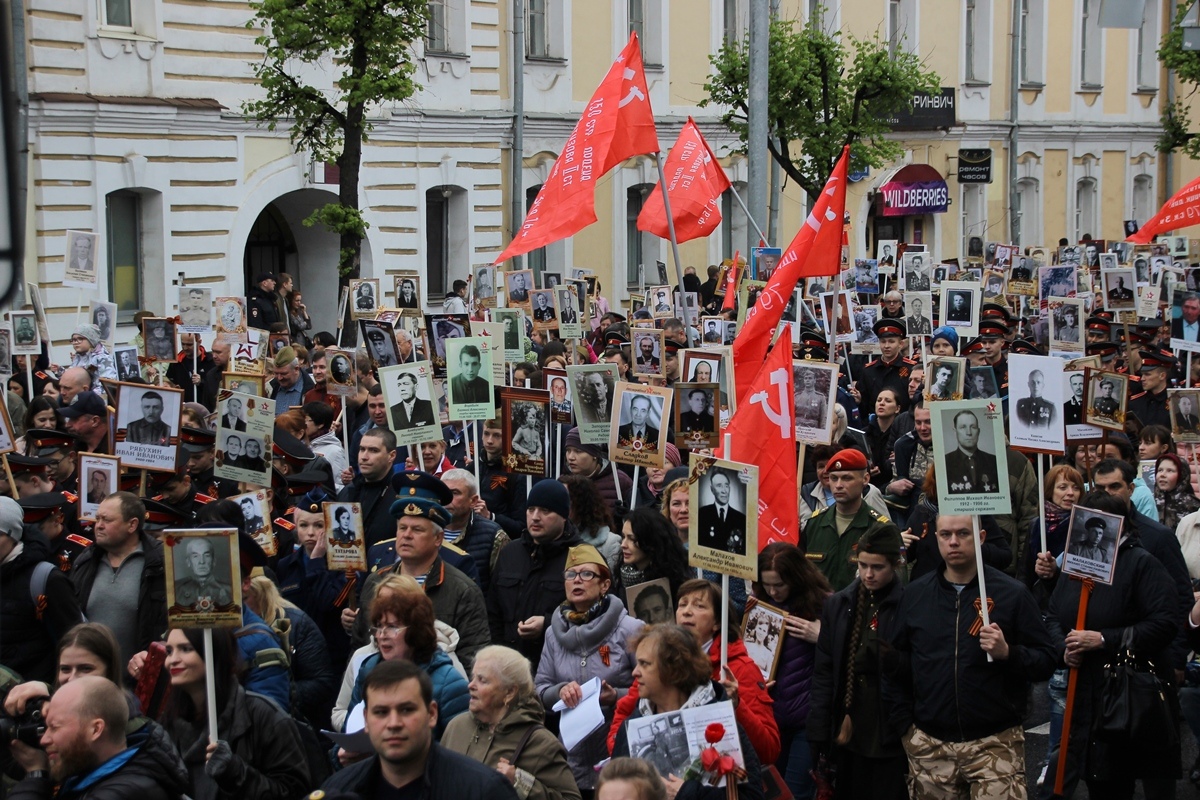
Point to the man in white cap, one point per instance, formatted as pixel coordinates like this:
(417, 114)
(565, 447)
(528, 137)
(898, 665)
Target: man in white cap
(90, 353)
(32, 627)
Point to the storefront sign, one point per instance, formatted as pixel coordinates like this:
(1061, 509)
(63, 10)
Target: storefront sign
(975, 166)
(929, 112)
(922, 197)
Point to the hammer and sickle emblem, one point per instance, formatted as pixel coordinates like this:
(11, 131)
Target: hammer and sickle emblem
(634, 92)
(780, 417)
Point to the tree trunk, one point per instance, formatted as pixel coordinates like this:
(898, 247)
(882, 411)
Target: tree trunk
(349, 166)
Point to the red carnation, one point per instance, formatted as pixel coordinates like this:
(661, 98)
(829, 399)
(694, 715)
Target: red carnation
(714, 733)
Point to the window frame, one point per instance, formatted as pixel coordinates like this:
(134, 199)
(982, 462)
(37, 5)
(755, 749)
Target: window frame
(441, 45)
(1091, 58)
(1146, 64)
(103, 16)
(112, 239)
(1091, 187)
(537, 19)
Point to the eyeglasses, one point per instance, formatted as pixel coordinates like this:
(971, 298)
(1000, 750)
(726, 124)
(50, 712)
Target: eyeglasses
(586, 575)
(945, 536)
(388, 631)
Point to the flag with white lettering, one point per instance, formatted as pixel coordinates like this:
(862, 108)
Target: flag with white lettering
(695, 182)
(816, 250)
(763, 432)
(617, 124)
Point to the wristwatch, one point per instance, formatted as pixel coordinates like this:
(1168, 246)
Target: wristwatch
(38, 774)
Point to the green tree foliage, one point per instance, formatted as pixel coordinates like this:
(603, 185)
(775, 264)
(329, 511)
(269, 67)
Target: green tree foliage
(367, 44)
(1176, 119)
(826, 91)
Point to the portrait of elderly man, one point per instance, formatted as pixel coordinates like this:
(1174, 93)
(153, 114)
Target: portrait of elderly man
(593, 394)
(200, 588)
(150, 429)
(969, 469)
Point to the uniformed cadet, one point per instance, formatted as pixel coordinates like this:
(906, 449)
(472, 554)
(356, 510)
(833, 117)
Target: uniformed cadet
(1099, 329)
(830, 536)
(993, 338)
(1150, 405)
(890, 371)
(1107, 352)
(199, 448)
(59, 447)
(382, 555)
(49, 513)
(160, 516)
(30, 474)
(179, 491)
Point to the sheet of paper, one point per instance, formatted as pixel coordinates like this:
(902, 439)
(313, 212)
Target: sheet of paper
(355, 739)
(578, 722)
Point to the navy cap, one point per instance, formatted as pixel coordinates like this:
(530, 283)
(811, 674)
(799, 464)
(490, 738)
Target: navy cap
(1102, 349)
(45, 442)
(1163, 359)
(305, 482)
(993, 328)
(311, 501)
(996, 311)
(39, 506)
(85, 403)
(1099, 324)
(1024, 347)
(416, 484)
(814, 338)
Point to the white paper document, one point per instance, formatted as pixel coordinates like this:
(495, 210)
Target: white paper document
(578, 723)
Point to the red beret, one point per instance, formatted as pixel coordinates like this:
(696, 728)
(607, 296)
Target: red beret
(847, 459)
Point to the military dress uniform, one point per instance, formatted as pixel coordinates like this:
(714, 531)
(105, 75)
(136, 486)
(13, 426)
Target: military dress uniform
(1151, 408)
(836, 556)
(1036, 412)
(971, 473)
(879, 375)
(67, 546)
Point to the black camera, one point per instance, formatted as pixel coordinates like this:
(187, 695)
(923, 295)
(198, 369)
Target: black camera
(28, 727)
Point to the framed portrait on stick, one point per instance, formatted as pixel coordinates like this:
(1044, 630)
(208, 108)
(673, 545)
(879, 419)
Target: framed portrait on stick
(469, 387)
(814, 396)
(969, 457)
(1036, 401)
(409, 394)
(526, 420)
(639, 433)
(204, 578)
(98, 475)
(257, 513)
(245, 431)
(26, 341)
(345, 542)
(1092, 544)
(1107, 395)
(593, 387)
(147, 430)
(650, 601)
(762, 632)
(696, 415)
(80, 261)
(341, 376)
(723, 528)
(1184, 405)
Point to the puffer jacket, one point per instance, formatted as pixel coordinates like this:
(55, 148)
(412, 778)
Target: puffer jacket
(543, 760)
(792, 692)
(573, 653)
(269, 757)
(754, 711)
(449, 687)
(149, 769)
(29, 643)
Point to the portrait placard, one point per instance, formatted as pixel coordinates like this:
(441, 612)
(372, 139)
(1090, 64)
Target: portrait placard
(696, 414)
(231, 319)
(409, 394)
(918, 313)
(483, 286)
(379, 338)
(551, 279)
(916, 272)
(98, 478)
(514, 328)
(1119, 287)
(1066, 315)
(670, 742)
(406, 288)
(650, 601)
(763, 630)
(365, 294)
(245, 431)
(1057, 281)
(570, 320)
(837, 323)
(494, 331)
(981, 383)
(104, 316)
(518, 284)
(885, 252)
(593, 387)
(969, 457)
(1184, 405)
(8, 435)
(6, 362)
(341, 375)
(866, 276)
(864, 319)
(195, 309)
(345, 542)
(1035, 401)
(544, 316)
(945, 378)
(248, 357)
(147, 426)
(204, 578)
(712, 365)
(440, 328)
(658, 299)
(526, 420)
(960, 306)
(648, 351)
(1107, 396)
(469, 387)
(244, 383)
(80, 260)
(555, 382)
(256, 510)
(763, 261)
(158, 338)
(639, 433)
(26, 341)
(128, 367)
(723, 526)
(1093, 539)
(814, 396)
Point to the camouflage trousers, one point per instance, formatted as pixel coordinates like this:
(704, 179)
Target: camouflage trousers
(981, 769)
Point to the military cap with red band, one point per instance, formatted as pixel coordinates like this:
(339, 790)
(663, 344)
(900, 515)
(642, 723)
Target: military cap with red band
(196, 440)
(992, 329)
(44, 442)
(1099, 324)
(1158, 358)
(889, 327)
(848, 459)
(40, 506)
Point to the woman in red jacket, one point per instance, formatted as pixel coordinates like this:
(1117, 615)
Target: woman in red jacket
(698, 608)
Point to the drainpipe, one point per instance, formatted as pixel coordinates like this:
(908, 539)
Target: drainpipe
(518, 136)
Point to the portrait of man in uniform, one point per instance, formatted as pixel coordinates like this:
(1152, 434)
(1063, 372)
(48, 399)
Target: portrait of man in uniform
(201, 588)
(411, 411)
(150, 429)
(518, 287)
(1106, 401)
(1186, 419)
(918, 322)
(969, 468)
(343, 525)
(1036, 411)
(697, 417)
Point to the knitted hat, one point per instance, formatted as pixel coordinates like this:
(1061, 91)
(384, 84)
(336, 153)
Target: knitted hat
(89, 332)
(881, 541)
(947, 333)
(587, 554)
(848, 459)
(594, 450)
(672, 454)
(12, 518)
(552, 496)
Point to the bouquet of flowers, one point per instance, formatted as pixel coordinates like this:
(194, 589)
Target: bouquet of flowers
(713, 766)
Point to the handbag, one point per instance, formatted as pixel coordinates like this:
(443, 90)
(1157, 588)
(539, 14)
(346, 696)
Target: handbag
(1134, 701)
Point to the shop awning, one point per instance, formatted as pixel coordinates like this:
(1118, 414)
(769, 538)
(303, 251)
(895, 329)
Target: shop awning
(914, 189)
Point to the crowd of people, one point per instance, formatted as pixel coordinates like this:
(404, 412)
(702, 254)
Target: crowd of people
(492, 601)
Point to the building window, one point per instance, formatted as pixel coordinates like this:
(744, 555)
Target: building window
(974, 211)
(1143, 198)
(972, 11)
(435, 38)
(123, 222)
(534, 259)
(637, 19)
(902, 29)
(1033, 38)
(1147, 50)
(736, 20)
(445, 255)
(117, 13)
(1090, 45)
(1085, 207)
(537, 29)
(816, 13)
(1030, 210)
(639, 246)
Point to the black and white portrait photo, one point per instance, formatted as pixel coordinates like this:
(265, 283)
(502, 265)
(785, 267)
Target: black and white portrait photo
(441, 328)
(647, 351)
(570, 320)
(762, 632)
(981, 383)
(80, 261)
(408, 392)
(639, 435)
(364, 297)
(469, 386)
(658, 300)
(1108, 393)
(1092, 544)
(696, 415)
(98, 475)
(483, 285)
(916, 272)
(231, 319)
(958, 308)
(526, 420)
(158, 337)
(25, 334)
(593, 388)
(969, 454)
(126, 359)
(510, 318)
(918, 313)
(340, 524)
(195, 310)
(1184, 405)
(341, 377)
(814, 395)
(551, 279)
(204, 582)
(650, 601)
(661, 741)
(945, 378)
(408, 291)
(519, 284)
(1120, 289)
(885, 252)
(542, 304)
(1066, 324)
(723, 527)
(1035, 401)
(256, 516)
(245, 427)
(380, 340)
(148, 426)
(104, 317)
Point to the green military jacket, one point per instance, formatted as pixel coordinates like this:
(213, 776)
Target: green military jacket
(836, 556)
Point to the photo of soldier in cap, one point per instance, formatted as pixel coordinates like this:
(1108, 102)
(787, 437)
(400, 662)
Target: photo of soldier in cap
(969, 456)
(1092, 544)
(204, 584)
(380, 339)
(1107, 396)
(158, 337)
(658, 298)
(1184, 405)
(442, 327)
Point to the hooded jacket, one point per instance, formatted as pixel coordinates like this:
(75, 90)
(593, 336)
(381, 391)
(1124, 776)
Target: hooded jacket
(29, 644)
(527, 581)
(543, 759)
(573, 653)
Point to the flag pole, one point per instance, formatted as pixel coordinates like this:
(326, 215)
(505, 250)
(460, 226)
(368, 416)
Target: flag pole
(666, 196)
(742, 203)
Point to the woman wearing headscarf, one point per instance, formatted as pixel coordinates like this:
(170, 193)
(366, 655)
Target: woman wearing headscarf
(1174, 496)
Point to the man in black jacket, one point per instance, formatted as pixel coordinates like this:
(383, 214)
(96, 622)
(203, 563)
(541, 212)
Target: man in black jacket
(261, 311)
(953, 704)
(373, 487)
(527, 581)
(407, 761)
(502, 492)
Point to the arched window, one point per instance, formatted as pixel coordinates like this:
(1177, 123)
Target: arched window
(445, 255)
(1143, 198)
(640, 246)
(1085, 207)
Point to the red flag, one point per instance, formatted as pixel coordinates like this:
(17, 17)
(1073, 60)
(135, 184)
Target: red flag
(816, 250)
(617, 124)
(695, 182)
(731, 283)
(1181, 211)
(763, 432)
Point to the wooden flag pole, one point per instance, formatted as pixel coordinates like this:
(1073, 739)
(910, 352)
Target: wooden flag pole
(1041, 500)
(983, 598)
(1060, 772)
(687, 312)
(210, 686)
(728, 454)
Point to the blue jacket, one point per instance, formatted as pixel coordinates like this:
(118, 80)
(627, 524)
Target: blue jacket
(320, 593)
(449, 687)
(268, 672)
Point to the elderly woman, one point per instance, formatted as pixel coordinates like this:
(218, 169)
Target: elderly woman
(587, 640)
(674, 674)
(503, 728)
(88, 352)
(1173, 494)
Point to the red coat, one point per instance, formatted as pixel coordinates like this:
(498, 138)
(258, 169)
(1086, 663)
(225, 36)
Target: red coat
(753, 712)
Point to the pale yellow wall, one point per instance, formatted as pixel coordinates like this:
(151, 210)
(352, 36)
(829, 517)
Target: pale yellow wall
(1001, 50)
(1112, 190)
(940, 41)
(591, 56)
(1054, 195)
(689, 64)
(593, 245)
(1060, 61)
(1116, 72)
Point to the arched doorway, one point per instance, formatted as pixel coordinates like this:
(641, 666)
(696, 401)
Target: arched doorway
(279, 241)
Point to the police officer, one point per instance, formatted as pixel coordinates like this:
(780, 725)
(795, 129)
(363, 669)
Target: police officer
(828, 544)
(1150, 405)
(890, 371)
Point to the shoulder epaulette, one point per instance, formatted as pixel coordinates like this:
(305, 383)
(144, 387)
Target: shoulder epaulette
(454, 549)
(873, 363)
(1139, 394)
(71, 498)
(877, 516)
(286, 524)
(41, 374)
(157, 498)
(204, 499)
(291, 510)
(819, 512)
(79, 540)
(909, 361)
(391, 541)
